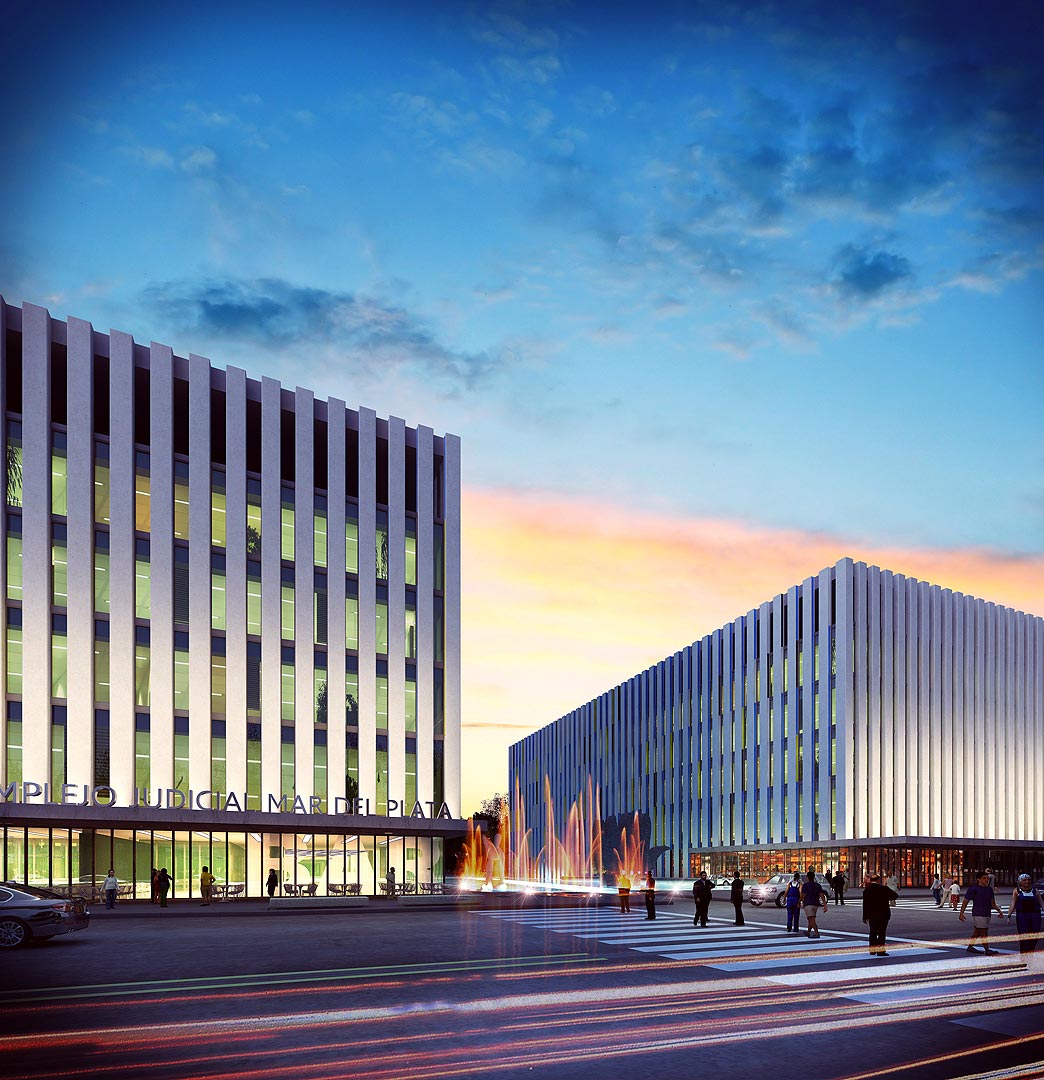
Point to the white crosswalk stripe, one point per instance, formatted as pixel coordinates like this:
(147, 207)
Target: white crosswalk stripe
(757, 948)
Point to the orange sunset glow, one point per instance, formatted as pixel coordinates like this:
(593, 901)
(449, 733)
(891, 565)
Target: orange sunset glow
(563, 598)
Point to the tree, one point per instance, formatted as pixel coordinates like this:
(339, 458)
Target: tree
(490, 814)
(351, 788)
(14, 475)
(253, 541)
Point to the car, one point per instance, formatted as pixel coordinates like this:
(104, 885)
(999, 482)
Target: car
(721, 881)
(775, 889)
(29, 913)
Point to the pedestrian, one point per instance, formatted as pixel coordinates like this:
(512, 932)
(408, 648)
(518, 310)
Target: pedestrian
(737, 897)
(650, 895)
(110, 887)
(163, 885)
(391, 880)
(793, 902)
(955, 895)
(877, 910)
(983, 902)
(829, 875)
(1026, 905)
(813, 897)
(701, 897)
(206, 884)
(992, 882)
(153, 890)
(623, 887)
(937, 891)
(893, 883)
(839, 887)
(272, 883)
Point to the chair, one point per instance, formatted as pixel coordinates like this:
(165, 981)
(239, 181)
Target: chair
(234, 892)
(310, 890)
(354, 888)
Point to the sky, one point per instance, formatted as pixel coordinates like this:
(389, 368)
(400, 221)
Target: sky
(713, 293)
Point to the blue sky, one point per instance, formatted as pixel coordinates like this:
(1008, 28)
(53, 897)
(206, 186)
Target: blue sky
(761, 261)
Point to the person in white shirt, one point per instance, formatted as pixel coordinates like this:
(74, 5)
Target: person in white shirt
(110, 886)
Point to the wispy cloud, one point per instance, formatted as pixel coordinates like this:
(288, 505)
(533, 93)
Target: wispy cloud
(369, 332)
(862, 273)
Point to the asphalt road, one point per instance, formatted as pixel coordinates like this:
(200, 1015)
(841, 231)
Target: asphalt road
(563, 992)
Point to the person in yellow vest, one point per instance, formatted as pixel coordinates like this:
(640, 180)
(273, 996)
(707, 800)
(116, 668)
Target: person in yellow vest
(623, 885)
(206, 881)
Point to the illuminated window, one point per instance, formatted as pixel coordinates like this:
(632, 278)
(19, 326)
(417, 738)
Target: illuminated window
(59, 746)
(59, 475)
(142, 666)
(382, 774)
(286, 763)
(142, 493)
(218, 778)
(319, 693)
(439, 635)
(101, 483)
(411, 700)
(142, 582)
(411, 772)
(253, 519)
(253, 766)
(319, 610)
(351, 693)
(14, 650)
(142, 751)
(382, 618)
(59, 567)
(411, 633)
(181, 671)
(286, 684)
(286, 604)
(101, 572)
(319, 769)
(181, 500)
(382, 694)
(351, 539)
(101, 662)
(411, 551)
(438, 558)
(253, 678)
(181, 753)
(59, 657)
(319, 532)
(14, 742)
(253, 598)
(217, 508)
(351, 616)
(382, 545)
(14, 556)
(352, 762)
(14, 463)
(287, 525)
(217, 592)
(217, 676)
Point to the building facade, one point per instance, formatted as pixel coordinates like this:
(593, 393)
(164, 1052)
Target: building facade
(232, 610)
(862, 719)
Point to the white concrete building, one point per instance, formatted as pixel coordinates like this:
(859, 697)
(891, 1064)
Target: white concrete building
(225, 591)
(861, 719)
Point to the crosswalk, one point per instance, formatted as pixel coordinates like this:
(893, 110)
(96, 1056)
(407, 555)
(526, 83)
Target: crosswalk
(758, 948)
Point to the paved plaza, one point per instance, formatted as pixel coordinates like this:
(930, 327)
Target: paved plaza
(510, 991)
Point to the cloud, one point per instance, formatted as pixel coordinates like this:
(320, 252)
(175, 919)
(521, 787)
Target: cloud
(198, 159)
(862, 274)
(370, 333)
(154, 157)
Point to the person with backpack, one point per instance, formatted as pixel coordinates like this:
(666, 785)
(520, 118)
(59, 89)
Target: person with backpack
(793, 902)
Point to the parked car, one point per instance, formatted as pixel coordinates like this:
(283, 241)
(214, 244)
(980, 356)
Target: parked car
(774, 890)
(721, 881)
(29, 913)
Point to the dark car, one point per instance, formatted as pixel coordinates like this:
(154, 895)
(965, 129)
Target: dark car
(29, 913)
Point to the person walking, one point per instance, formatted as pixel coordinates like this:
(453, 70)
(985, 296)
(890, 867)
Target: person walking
(839, 887)
(623, 887)
(793, 902)
(206, 884)
(701, 897)
(736, 896)
(153, 890)
(955, 895)
(813, 897)
(391, 880)
(163, 884)
(983, 902)
(110, 887)
(272, 883)
(937, 891)
(1026, 905)
(877, 910)
(650, 895)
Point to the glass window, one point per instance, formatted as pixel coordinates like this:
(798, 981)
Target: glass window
(438, 558)
(181, 752)
(287, 525)
(382, 701)
(320, 537)
(382, 619)
(319, 611)
(58, 747)
(352, 763)
(253, 678)
(351, 616)
(382, 545)
(217, 508)
(411, 633)
(351, 695)
(439, 631)
(101, 572)
(286, 686)
(14, 747)
(60, 572)
(181, 671)
(217, 679)
(253, 766)
(411, 551)
(14, 464)
(253, 519)
(181, 500)
(14, 558)
(218, 778)
(142, 672)
(351, 539)
(14, 653)
(59, 660)
(217, 592)
(286, 608)
(411, 702)
(382, 774)
(142, 581)
(142, 493)
(253, 599)
(101, 483)
(101, 671)
(319, 693)
(59, 475)
(411, 772)
(286, 764)
(319, 780)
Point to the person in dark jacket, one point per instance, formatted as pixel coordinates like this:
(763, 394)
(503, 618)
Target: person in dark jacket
(272, 883)
(701, 897)
(650, 895)
(163, 884)
(839, 887)
(877, 910)
(737, 897)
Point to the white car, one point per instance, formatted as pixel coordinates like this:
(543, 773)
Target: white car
(774, 890)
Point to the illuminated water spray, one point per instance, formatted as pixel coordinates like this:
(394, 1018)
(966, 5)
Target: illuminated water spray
(575, 857)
